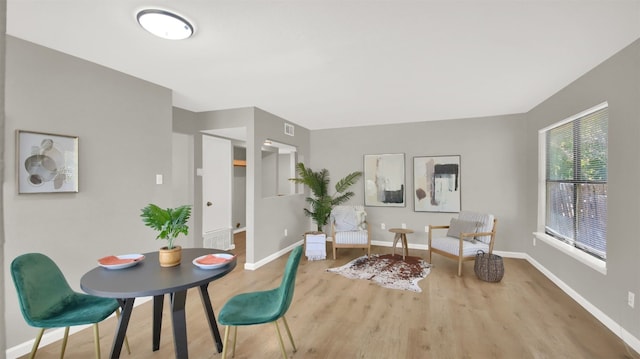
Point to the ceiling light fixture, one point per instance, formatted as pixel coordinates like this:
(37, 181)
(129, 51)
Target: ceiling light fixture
(165, 24)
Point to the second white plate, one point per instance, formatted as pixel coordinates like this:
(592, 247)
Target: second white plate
(225, 256)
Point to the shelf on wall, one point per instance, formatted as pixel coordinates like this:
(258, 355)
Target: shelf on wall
(240, 163)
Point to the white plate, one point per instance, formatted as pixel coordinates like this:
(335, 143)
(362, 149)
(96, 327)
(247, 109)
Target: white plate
(227, 257)
(136, 257)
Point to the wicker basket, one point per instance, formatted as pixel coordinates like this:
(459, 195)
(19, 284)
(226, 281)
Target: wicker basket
(489, 267)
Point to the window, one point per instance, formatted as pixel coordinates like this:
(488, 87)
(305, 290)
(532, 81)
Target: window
(575, 210)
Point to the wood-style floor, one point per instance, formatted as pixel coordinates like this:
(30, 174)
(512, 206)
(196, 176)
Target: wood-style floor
(523, 316)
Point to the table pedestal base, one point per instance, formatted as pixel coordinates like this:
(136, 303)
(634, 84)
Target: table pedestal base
(401, 236)
(178, 317)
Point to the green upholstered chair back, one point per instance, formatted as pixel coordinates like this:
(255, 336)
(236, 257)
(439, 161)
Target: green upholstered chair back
(41, 286)
(289, 279)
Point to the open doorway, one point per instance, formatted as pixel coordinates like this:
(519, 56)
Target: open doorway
(239, 197)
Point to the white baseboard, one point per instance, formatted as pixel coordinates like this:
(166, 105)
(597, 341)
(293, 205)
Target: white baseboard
(54, 335)
(278, 254)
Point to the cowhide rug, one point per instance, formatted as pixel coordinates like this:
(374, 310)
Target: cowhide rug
(387, 270)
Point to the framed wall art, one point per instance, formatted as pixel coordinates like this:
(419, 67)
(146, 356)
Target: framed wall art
(47, 163)
(384, 180)
(436, 183)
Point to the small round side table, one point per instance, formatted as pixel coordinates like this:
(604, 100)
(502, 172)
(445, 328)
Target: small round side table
(401, 235)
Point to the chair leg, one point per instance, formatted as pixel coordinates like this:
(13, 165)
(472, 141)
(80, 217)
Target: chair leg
(96, 339)
(224, 342)
(286, 326)
(235, 336)
(126, 341)
(334, 249)
(36, 343)
(284, 352)
(460, 267)
(64, 342)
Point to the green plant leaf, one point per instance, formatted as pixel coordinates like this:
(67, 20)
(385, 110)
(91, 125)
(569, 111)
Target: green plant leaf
(348, 181)
(321, 204)
(169, 222)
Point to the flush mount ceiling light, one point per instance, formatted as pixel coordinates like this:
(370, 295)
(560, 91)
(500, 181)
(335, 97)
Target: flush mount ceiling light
(165, 24)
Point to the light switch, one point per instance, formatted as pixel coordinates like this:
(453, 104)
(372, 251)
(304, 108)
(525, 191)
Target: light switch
(158, 179)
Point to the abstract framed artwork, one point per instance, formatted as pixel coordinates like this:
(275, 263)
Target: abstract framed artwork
(384, 180)
(47, 163)
(436, 183)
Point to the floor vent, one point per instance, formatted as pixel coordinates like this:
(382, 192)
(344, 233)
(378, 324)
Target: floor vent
(218, 239)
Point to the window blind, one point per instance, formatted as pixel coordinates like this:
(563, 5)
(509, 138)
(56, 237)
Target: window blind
(576, 181)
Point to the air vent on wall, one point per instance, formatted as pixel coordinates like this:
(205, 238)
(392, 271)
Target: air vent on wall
(288, 129)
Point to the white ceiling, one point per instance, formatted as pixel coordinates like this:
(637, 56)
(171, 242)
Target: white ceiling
(329, 63)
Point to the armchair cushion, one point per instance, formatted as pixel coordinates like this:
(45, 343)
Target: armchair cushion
(485, 223)
(351, 237)
(458, 226)
(361, 215)
(348, 218)
(452, 246)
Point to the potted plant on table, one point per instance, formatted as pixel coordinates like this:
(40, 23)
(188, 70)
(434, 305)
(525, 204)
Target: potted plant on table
(322, 203)
(170, 223)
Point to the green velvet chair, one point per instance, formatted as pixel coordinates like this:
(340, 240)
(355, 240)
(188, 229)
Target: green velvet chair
(262, 307)
(47, 301)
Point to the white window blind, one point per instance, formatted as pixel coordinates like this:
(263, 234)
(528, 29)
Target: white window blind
(576, 181)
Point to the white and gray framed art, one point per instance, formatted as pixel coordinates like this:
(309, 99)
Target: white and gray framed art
(47, 163)
(436, 183)
(384, 180)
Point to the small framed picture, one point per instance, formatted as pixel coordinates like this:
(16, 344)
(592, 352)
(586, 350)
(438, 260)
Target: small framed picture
(47, 163)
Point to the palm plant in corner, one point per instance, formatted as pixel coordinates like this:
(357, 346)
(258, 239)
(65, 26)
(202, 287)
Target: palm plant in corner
(322, 203)
(170, 223)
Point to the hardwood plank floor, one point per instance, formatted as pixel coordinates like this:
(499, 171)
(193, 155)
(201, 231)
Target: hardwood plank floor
(523, 316)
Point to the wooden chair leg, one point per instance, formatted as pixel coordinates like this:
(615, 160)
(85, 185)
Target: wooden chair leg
(96, 339)
(65, 338)
(284, 352)
(460, 267)
(286, 326)
(36, 343)
(334, 249)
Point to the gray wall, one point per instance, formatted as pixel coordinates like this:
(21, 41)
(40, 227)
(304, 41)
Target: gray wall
(617, 81)
(491, 170)
(124, 129)
(3, 23)
(266, 218)
(270, 216)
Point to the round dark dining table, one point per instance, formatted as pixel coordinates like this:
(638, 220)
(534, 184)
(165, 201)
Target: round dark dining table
(148, 278)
